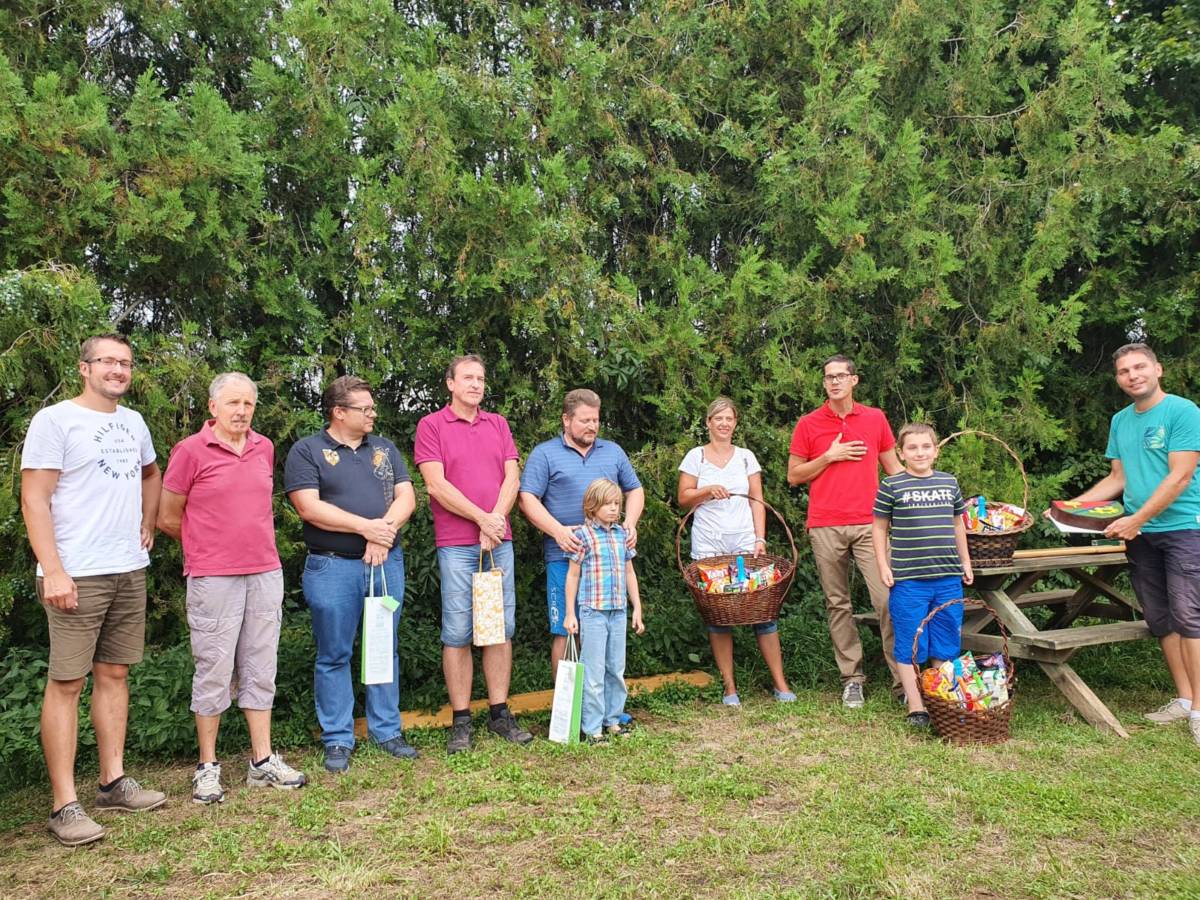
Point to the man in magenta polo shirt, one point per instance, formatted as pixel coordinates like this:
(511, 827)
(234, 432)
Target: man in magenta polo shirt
(837, 450)
(469, 462)
(216, 498)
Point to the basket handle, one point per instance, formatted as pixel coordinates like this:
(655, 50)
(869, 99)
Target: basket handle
(687, 515)
(1010, 673)
(1011, 452)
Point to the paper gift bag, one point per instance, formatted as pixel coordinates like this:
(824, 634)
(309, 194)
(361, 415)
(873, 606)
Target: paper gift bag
(487, 604)
(568, 697)
(378, 635)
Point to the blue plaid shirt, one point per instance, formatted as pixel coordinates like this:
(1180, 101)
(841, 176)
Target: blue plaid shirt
(602, 565)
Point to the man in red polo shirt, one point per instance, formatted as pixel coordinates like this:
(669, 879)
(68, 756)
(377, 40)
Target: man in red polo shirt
(469, 462)
(216, 499)
(837, 450)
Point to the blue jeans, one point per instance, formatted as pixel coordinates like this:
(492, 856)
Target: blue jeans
(556, 595)
(457, 565)
(760, 629)
(911, 601)
(602, 652)
(334, 589)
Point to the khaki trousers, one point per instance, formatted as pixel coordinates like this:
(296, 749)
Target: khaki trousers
(834, 547)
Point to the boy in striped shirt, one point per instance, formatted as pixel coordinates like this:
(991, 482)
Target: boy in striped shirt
(929, 561)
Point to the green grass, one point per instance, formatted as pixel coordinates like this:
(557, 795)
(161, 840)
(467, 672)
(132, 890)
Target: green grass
(805, 800)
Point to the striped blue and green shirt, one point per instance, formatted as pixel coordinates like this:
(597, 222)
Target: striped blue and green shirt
(922, 512)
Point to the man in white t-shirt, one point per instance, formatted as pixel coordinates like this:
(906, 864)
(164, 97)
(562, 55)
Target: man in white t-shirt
(89, 495)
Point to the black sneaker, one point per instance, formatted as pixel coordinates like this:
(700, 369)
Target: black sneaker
(337, 758)
(917, 720)
(398, 747)
(460, 737)
(506, 726)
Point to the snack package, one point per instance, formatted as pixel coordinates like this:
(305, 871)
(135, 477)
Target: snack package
(972, 684)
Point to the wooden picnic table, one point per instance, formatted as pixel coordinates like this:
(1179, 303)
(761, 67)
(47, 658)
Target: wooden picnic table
(1009, 590)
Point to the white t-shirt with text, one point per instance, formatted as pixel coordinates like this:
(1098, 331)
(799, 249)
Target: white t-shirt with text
(721, 527)
(97, 504)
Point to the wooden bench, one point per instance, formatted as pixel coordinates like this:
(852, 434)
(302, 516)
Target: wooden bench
(1008, 591)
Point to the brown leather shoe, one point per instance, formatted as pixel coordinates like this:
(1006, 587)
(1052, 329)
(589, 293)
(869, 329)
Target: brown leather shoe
(72, 826)
(129, 796)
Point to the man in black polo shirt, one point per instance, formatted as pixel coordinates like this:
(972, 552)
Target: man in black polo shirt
(353, 491)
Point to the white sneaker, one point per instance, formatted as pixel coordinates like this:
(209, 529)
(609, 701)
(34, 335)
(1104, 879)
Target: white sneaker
(206, 785)
(275, 773)
(1194, 724)
(852, 695)
(1169, 713)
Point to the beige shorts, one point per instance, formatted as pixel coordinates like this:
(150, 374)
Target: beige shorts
(108, 626)
(234, 622)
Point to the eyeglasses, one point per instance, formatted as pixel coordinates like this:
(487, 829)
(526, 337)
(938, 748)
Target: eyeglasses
(365, 410)
(112, 362)
(838, 378)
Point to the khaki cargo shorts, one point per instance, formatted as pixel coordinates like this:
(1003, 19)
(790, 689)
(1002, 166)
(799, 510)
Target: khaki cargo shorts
(108, 626)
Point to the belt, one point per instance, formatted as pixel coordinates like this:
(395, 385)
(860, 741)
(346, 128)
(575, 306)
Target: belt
(335, 554)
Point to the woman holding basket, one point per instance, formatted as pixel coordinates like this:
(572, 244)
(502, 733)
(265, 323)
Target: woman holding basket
(709, 476)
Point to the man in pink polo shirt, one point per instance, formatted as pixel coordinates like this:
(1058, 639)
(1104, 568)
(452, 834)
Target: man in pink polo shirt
(216, 498)
(837, 450)
(469, 462)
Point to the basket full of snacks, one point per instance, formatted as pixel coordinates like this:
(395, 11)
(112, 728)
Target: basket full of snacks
(738, 589)
(969, 699)
(993, 528)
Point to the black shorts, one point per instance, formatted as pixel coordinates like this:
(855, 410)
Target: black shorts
(1164, 567)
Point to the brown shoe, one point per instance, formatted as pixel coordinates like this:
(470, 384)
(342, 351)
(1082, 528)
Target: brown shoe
(129, 796)
(72, 826)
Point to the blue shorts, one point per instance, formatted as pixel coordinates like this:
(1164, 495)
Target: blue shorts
(556, 595)
(759, 629)
(457, 565)
(910, 601)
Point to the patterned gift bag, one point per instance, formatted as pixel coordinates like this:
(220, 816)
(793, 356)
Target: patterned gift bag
(487, 604)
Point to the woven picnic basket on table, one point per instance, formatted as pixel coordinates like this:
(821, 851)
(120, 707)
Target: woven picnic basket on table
(741, 607)
(967, 726)
(995, 548)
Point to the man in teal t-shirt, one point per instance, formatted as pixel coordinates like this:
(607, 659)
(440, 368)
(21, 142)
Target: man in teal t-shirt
(1154, 444)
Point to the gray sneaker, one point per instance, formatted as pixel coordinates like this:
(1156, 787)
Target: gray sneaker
(275, 773)
(460, 737)
(852, 695)
(506, 726)
(1168, 713)
(337, 759)
(1194, 724)
(72, 826)
(129, 796)
(399, 748)
(206, 785)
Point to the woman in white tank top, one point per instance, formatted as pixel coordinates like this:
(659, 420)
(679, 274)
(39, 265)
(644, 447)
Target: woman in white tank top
(724, 524)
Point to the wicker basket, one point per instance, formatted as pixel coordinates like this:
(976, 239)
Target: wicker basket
(992, 549)
(743, 607)
(967, 726)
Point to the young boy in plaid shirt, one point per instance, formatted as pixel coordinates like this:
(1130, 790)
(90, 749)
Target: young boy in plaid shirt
(598, 577)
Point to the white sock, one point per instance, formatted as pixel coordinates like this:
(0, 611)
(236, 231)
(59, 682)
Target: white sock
(1186, 704)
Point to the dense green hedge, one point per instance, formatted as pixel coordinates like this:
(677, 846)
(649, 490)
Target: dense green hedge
(662, 201)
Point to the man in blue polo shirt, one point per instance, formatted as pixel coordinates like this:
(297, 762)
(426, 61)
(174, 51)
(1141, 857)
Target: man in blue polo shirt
(556, 475)
(1154, 447)
(353, 492)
